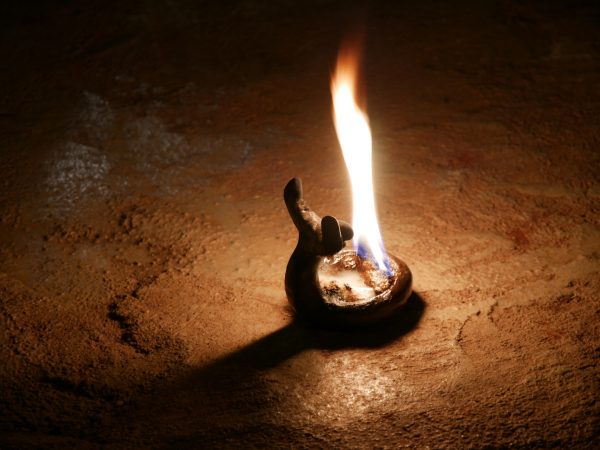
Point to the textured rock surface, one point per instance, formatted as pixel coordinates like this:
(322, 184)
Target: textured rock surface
(143, 236)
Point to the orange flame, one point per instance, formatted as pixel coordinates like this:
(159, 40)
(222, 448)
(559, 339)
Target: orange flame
(354, 135)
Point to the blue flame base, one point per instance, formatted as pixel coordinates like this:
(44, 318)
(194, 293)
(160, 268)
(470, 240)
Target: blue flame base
(364, 253)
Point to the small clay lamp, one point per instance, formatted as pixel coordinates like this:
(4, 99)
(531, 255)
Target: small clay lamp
(330, 285)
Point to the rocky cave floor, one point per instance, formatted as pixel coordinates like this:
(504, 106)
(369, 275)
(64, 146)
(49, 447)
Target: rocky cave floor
(144, 239)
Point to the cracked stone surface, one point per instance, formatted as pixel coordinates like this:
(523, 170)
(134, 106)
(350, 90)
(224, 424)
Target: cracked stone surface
(143, 235)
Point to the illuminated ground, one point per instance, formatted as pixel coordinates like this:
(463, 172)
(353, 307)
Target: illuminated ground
(143, 235)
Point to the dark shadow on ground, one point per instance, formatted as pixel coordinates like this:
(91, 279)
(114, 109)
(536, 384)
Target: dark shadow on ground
(275, 348)
(209, 403)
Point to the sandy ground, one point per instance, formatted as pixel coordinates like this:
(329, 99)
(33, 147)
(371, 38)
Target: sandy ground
(143, 235)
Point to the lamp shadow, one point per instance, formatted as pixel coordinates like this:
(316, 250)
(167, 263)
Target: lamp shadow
(231, 390)
(296, 337)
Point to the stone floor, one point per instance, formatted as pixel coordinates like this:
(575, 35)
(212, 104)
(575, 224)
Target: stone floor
(144, 147)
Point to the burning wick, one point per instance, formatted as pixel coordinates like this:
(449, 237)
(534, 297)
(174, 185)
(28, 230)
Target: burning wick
(324, 282)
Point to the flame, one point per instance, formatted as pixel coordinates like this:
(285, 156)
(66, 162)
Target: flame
(354, 134)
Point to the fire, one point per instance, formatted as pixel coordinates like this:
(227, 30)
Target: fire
(354, 134)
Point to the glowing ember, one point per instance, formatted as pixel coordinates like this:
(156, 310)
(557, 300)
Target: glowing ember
(354, 134)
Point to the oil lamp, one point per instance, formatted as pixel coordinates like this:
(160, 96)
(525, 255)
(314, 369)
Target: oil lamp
(325, 282)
